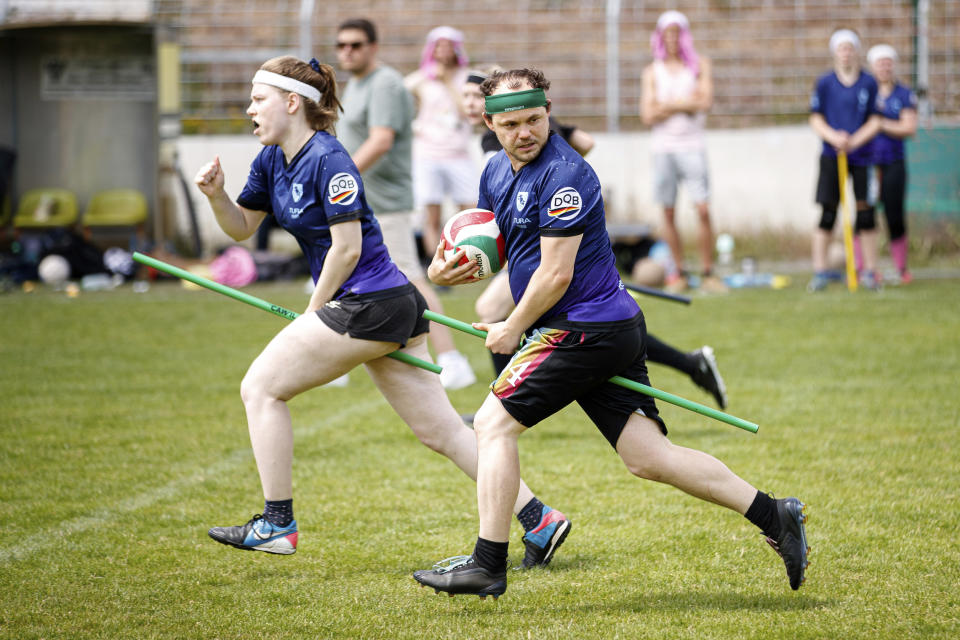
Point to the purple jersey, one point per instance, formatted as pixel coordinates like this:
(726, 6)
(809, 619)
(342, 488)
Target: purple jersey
(845, 108)
(319, 188)
(557, 194)
(887, 149)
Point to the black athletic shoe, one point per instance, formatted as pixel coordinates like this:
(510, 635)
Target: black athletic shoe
(791, 544)
(461, 574)
(543, 540)
(707, 375)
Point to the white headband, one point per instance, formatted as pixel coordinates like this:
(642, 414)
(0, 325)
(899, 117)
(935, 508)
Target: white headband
(286, 82)
(668, 18)
(843, 35)
(881, 51)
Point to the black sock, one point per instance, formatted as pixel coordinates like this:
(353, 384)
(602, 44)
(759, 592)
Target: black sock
(278, 512)
(662, 353)
(492, 556)
(763, 513)
(531, 514)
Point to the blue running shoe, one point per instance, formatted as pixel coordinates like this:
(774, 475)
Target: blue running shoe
(819, 282)
(259, 534)
(543, 540)
(871, 281)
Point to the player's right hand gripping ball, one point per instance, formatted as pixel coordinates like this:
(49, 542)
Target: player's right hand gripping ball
(475, 231)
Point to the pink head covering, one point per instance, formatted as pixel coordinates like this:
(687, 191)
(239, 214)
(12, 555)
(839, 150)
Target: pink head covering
(688, 55)
(427, 64)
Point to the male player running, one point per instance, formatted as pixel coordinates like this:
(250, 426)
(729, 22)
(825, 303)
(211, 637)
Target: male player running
(588, 328)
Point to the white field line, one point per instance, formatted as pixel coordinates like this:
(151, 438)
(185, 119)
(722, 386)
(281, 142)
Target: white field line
(40, 540)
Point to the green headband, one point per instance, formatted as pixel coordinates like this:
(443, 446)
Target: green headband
(514, 101)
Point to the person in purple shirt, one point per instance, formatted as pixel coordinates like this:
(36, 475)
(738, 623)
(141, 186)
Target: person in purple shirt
(897, 106)
(362, 307)
(843, 113)
(586, 329)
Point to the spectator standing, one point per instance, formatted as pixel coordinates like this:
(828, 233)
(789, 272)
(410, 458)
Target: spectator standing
(897, 106)
(677, 92)
(376, 130)
(443, 166)
(843, 113)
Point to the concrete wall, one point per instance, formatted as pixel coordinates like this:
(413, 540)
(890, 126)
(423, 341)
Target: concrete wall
(761, 178)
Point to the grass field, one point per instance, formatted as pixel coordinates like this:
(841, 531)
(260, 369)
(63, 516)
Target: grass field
(123, 440)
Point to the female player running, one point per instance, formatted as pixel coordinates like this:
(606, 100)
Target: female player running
(361, 309)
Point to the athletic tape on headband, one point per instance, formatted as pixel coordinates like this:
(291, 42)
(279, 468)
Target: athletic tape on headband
(287, 83)
(514, 101)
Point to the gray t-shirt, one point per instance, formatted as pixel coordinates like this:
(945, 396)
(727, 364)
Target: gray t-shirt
(380, 100)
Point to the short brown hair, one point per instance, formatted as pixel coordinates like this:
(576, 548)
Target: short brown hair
(360, 24)
(322, 115)
(514, 79)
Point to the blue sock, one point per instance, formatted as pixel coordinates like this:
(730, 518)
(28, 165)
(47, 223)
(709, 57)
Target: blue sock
(531, 514)
(278, 512)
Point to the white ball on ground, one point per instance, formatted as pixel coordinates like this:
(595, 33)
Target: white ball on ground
(54, 270)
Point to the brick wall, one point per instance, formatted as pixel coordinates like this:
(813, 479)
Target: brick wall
(767, 53)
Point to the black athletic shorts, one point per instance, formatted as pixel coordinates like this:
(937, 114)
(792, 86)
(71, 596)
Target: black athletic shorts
(554, 367)
(828, 184)
(391, 315)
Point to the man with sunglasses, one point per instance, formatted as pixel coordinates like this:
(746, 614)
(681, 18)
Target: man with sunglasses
(376, 130)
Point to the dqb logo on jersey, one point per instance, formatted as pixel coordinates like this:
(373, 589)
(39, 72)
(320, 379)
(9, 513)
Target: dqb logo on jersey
(565, 204)
(522, 199)
(296, 191)
(342, 189)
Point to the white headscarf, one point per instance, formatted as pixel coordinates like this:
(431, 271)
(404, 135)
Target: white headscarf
(881, 51)
(841, 36)
(668, 18)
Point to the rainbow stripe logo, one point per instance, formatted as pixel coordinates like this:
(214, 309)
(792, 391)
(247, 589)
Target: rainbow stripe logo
(565, 204)
(342, 189)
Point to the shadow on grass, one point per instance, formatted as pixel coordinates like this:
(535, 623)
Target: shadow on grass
(661, 602)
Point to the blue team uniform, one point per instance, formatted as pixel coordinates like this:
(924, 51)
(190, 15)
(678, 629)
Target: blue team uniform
(557, 194)
(596, 330)
(319, 188)
(845, 108)
(887, 149)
